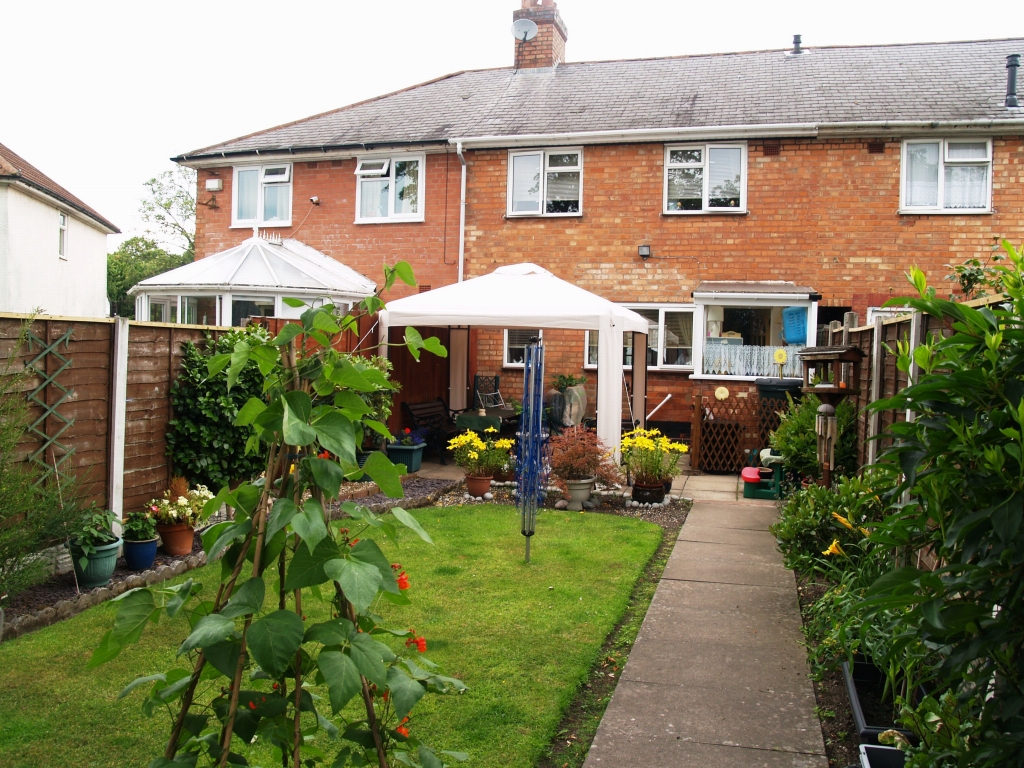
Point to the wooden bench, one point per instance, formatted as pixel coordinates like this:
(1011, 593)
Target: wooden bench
(438, 421)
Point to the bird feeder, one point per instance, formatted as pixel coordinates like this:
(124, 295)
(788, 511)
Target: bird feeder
(831, 374)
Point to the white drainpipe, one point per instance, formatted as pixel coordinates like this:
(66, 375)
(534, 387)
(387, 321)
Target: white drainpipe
(462, 213)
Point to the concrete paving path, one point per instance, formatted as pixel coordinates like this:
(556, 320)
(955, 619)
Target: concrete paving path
(717, 677)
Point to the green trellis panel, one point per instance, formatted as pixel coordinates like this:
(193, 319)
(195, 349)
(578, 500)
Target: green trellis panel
(52, 453)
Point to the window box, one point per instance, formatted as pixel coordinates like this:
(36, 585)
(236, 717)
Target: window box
(515, 343)
(947, 176)
(390, 189)
(545, 182)
(261, 195)
(705, 178)
(669, 339)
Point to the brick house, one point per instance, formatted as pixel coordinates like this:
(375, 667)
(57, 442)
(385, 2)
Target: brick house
(711, 193)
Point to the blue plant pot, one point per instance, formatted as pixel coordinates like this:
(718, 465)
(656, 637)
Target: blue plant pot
(410, 455)
(99, 567)
(139, 555)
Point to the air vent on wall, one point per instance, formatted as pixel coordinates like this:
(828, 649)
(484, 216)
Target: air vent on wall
(876, 147)
(771, 148)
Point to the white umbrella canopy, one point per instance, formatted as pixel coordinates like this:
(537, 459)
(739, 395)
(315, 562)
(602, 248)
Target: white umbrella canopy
(528, 296)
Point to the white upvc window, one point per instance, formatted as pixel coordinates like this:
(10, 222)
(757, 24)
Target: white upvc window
(516, 339)
(390, 188)
(946, 176)
(669, 338)
(545, 182)
(705, 178)
(262, 195)
(62, 235)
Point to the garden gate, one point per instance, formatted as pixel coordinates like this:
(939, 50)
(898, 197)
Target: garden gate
(726, 431)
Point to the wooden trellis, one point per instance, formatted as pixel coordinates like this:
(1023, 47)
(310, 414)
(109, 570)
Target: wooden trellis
(52, 454)
(727, 431)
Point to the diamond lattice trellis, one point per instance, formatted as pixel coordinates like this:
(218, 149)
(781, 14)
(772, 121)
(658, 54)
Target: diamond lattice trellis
(731, 429)
(51, 454)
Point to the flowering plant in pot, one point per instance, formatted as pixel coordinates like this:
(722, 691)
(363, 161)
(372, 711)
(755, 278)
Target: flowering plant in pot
(177, 513)
(140, 539)
(578, 459)
(650, 458)
(94, 546)
(481, 457)
(407, 448)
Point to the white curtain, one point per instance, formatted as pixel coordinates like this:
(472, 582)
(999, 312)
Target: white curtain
(966, 186)
(750, 360)
(922, 175)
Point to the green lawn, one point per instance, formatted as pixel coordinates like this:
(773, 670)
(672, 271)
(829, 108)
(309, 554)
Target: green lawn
(522, 637)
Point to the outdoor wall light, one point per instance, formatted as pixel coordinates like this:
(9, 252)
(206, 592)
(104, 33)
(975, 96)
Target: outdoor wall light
(644, 251)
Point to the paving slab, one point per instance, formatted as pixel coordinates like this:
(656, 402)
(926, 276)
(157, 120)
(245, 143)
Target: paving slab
(666, 751)
(753, 517)
(741, 537)
(727, 565)
(712, 482)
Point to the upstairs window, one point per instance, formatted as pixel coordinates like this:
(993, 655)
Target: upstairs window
(62, 234)
(947, 176)
(545, 183)
(262, 195)
(706, 178)
(389, 188)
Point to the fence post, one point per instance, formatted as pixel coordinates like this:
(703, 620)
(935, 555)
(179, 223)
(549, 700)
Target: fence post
(916, 326)
(118, 417)
(876, 388)
(698, 400)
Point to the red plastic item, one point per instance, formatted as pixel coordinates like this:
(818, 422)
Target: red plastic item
(751, 475)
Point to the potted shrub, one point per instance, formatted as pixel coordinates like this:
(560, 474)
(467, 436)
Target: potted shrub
(177, 514)
(481, 457)
(94, 547)
(140, 540)
(650, 458)
(578, 460)
(872, 714)
(407, 448)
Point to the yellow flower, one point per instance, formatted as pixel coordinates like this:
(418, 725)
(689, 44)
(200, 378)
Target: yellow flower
(490, 429)
(834, 549)
(865, 531)
(842, 521)
(473, 455)
(504, 443)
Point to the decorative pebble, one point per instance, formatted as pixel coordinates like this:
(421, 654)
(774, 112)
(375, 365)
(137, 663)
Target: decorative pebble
(467, 496)
(635, 504)
(561, 504)
(488, 496)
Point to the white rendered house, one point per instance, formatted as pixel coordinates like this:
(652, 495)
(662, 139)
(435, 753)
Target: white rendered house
(53, 247)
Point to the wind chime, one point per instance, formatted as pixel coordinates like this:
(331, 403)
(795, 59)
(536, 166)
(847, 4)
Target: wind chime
(531, 467)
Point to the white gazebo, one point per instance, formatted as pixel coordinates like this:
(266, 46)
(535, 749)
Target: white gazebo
(528, 296)
(249, 280)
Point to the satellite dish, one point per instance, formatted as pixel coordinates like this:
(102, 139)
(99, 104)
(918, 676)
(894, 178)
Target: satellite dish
(524, 30)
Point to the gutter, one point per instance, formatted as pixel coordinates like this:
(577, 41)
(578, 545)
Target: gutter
(462, 214)
(318, 152)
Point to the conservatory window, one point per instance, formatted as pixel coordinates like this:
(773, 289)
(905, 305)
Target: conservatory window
(545, 183)
(199, 310)
(669, 338)
(516, 340)
(742, 340)
(389, 189)
(242, 309)
(262, 195)
(703, 178)
(947, 176)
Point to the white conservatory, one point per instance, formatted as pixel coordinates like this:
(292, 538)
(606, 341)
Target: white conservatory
(249, 280)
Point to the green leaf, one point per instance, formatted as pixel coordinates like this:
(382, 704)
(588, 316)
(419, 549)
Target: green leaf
(327, 475)
(368, 656)
(337, 434)
(405, 691)
(342, 678)
(307, 568)
(239, 359)
(281, 515)
(296, 408)
(379, 428)
(368, 551)
(359, 580)
(223, 656)
(209, 630)
(404, 273)
(323, 321)
(266, 358)
(334, 632)
(253, 407)
(287, 333)
(247, 599)
(217, 363)
(413, 342)
(352, 403)
(132, 615)
(180, 594)
(427, 758)
(274, 641)
(140, 681)
(411, 523)
(294, 303)
(108, 649)
(384, 474)
(232, 533)
(309, 523)
(434, 345)
(345, 375)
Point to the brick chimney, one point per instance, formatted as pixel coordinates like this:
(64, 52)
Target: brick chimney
(547, 49)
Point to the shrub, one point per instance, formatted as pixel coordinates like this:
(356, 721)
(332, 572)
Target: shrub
(381, 401)
(562, 381)
(577, 454)
(796, 440)
(203, 442)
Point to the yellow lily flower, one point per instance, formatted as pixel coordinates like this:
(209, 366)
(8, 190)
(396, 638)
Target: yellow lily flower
(843, 521)
(834, 549)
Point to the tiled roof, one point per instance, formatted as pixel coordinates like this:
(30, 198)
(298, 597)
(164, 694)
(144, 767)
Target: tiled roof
(15, 168)
(919, 82)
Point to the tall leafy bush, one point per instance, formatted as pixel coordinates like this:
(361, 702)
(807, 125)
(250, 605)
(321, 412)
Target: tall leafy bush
(797, 441)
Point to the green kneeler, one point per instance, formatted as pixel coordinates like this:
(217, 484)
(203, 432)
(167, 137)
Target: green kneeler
(759, 484)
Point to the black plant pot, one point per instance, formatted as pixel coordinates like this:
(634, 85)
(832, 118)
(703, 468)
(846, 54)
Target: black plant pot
(874, 756)
(864, 685)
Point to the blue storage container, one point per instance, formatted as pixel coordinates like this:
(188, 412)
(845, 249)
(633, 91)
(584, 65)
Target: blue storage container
(794, 325)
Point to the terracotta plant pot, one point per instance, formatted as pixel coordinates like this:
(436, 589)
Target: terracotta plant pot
(177, 539)
(649, 494)
(478, 486)
(579, 491)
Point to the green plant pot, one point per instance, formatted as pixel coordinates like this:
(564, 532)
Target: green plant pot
(410, 455)
(100, 565)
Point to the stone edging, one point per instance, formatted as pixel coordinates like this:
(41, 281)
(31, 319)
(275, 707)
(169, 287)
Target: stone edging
(65, 609)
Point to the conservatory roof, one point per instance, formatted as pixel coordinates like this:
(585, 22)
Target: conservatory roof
(719, 288)
(263, 266)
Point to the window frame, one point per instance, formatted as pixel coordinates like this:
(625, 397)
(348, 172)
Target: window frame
(63, 220)
(261, 169)
(706, 147)
(662, 308)
(504, 346)
(544, 153)
(388, 172)
(943, 162)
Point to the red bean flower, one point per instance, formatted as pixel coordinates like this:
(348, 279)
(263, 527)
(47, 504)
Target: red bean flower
(403, 730)
(421, 644)
(403, 581)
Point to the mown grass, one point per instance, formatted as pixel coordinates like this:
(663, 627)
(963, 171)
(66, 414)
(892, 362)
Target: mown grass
(522, 637)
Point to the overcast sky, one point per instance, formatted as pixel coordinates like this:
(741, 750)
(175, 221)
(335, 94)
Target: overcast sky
(98, 94)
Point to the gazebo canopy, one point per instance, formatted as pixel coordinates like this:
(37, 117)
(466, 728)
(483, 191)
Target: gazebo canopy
(528, 296)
